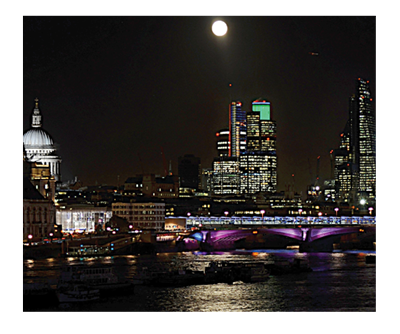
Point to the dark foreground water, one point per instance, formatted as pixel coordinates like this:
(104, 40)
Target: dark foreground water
(339, 282)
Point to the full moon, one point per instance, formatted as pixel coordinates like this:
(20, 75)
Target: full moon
(219, 28)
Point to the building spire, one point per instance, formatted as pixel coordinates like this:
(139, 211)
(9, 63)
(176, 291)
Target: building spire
(36, 116)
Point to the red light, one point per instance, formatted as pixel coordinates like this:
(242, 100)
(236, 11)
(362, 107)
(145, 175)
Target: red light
(217, 134)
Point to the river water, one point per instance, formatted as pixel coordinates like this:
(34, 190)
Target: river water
(340, 281)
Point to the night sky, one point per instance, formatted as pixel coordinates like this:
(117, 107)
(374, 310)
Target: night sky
(116, 91)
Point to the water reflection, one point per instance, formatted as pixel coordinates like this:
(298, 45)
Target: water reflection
(339, 282)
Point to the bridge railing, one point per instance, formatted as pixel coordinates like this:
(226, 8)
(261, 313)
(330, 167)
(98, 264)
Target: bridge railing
(280, 220)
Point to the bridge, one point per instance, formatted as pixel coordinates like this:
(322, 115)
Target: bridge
(277, 220)
(309, 233)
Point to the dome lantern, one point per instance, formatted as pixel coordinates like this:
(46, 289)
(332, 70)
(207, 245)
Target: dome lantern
(36, 116)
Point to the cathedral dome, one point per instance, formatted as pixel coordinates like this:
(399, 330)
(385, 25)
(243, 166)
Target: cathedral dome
(37, 138)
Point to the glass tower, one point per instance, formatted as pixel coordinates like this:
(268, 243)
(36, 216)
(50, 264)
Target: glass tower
(365, 140)
(237, 129)
(355, 160)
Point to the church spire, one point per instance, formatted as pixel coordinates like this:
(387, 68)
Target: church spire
(36, 116)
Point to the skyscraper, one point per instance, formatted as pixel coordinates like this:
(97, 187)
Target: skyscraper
(364, 120)
(355, 160)
(189, 170)
(251, 163)
(237, 129)
(258, 166)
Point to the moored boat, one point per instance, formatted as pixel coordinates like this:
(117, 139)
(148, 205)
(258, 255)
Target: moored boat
(102, 278)
(75, 292)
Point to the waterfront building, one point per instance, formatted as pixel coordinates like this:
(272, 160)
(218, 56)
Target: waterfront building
(82, 217)
(39, 145)
(141, 215)
(237, 129)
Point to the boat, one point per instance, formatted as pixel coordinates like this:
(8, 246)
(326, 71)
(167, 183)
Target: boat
(75, 292)
(181, 277)
(253, 274)
(102, 278)
(219, 272)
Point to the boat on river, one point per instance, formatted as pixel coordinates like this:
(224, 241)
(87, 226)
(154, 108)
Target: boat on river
(180, 277)
(101, 278)
(74, 292)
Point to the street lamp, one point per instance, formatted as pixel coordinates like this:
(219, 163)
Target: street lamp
(226, 213)
(370, 210)
(30, 238)
(262, 214)
(300, 211)
(336, 209)
(51, 236)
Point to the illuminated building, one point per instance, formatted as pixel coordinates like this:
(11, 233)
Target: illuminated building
(258, 173)
(355, 160)
(226, 178)
(146, 215)
(364, 120)
(223, 143)
(237, 129)
(258, 166)
(39, 145)
(82, 217)
(261, 129)
(250, 165)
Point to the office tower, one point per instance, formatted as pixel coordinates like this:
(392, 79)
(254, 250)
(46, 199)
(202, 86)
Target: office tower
(345, 173)
(250, 165)
(365, 140)
(237, 129)
(355, 160)
(258, 173)
(189, 170)
(226, 178)
(223, 143)
(258, 166)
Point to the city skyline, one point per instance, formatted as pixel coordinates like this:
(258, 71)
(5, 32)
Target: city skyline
(149, 105)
